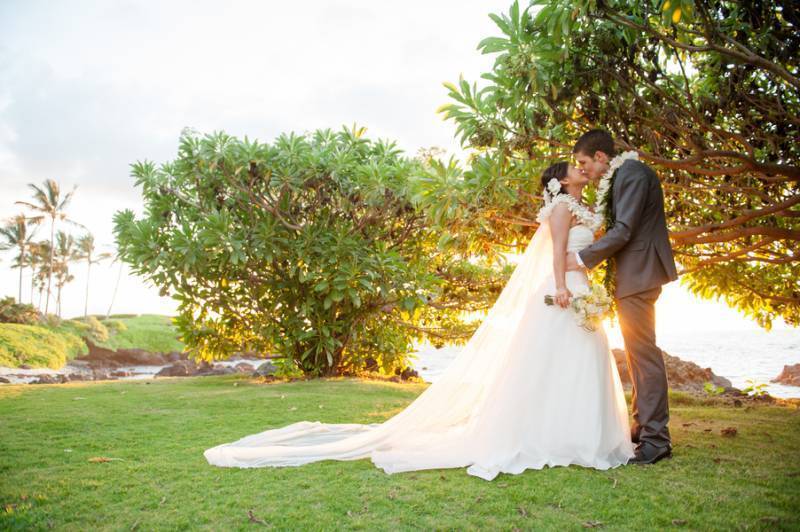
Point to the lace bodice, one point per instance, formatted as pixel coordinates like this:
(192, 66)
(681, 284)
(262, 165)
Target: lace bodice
(579, 237)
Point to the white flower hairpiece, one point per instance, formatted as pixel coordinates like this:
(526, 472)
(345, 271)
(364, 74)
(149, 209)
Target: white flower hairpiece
(554, 186)
(551, 190)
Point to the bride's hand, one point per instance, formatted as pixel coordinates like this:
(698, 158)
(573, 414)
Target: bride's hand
(562, 297)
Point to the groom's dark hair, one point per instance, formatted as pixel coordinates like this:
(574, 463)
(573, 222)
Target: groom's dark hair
(593, 141)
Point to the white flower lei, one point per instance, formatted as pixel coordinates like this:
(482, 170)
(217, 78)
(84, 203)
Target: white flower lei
(605, 181)
(588, 218)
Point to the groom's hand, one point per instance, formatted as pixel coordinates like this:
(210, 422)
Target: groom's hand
(572, 262)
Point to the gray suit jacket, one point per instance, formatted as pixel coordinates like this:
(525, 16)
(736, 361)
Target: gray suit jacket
(638, 240)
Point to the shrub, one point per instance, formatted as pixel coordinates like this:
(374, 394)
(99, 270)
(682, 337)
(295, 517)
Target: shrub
(115, 326)
(89, 328)
(98, 332)
(38, 346)
(287, 368)
(312, 247)
(52, 321)
(13, 312)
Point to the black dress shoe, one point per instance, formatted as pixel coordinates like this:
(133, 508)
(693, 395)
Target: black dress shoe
(647, 453)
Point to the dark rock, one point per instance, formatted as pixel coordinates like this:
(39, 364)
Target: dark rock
(120, 374)
(370, 364)
(204, 367)
(175, 356)
(100, 357)
(681, 374)
(181, 368)
(250, 355)
(78, 377)
(764, 398)
(244, 367)
(100, 375)
(408, 373)
(266, 369)
(188, 368)
(3, 380)
(46, 379)
(80, 366)
(217, 369)
(103, 364)
(789, 376)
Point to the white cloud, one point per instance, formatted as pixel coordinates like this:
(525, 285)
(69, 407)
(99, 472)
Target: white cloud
(88, 87)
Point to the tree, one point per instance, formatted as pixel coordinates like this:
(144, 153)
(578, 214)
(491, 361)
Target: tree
(116, 284)
(49, 203)
(86, 251)
(310, 247)
(40, 265)
(65, 252)
(706, 91)
(18, 234)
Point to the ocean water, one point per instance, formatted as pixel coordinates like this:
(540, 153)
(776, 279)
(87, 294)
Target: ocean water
(738, 354)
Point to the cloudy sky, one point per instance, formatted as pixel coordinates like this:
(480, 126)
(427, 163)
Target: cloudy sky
(88, 87)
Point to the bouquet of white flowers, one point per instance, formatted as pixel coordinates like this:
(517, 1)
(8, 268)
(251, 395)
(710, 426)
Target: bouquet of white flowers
(590, 306)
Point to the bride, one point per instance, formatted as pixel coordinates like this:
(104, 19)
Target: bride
(531, 388)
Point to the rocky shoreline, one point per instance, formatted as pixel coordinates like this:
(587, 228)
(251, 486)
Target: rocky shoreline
(687, 376)
(681, 374)
(105, 364)
(790, 376)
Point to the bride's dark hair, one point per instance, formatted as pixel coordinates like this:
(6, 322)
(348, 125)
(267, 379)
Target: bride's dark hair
(557, 170)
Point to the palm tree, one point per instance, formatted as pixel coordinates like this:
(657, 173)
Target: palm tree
(18, 234)
(117, 258)
(86, 251)
(34, 260)
(40, 257)
(65, 253)
(49, 203)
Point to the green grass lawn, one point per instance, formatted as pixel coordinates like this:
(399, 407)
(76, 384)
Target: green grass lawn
(158, 478)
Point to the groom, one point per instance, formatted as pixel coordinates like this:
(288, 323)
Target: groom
(638, 244)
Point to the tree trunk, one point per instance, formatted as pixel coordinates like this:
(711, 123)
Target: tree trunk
(21, 267)
(114, 295)
(86, 303)
(50, 272)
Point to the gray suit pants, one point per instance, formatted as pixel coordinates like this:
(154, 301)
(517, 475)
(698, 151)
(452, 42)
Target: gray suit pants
(650, 408)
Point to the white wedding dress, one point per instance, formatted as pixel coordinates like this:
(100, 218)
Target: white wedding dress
(530, 389)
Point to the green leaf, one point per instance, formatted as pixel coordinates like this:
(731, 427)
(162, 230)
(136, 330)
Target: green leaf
(491, 45)
(321, 286)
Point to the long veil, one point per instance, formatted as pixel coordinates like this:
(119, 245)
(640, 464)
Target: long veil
(447, 424)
